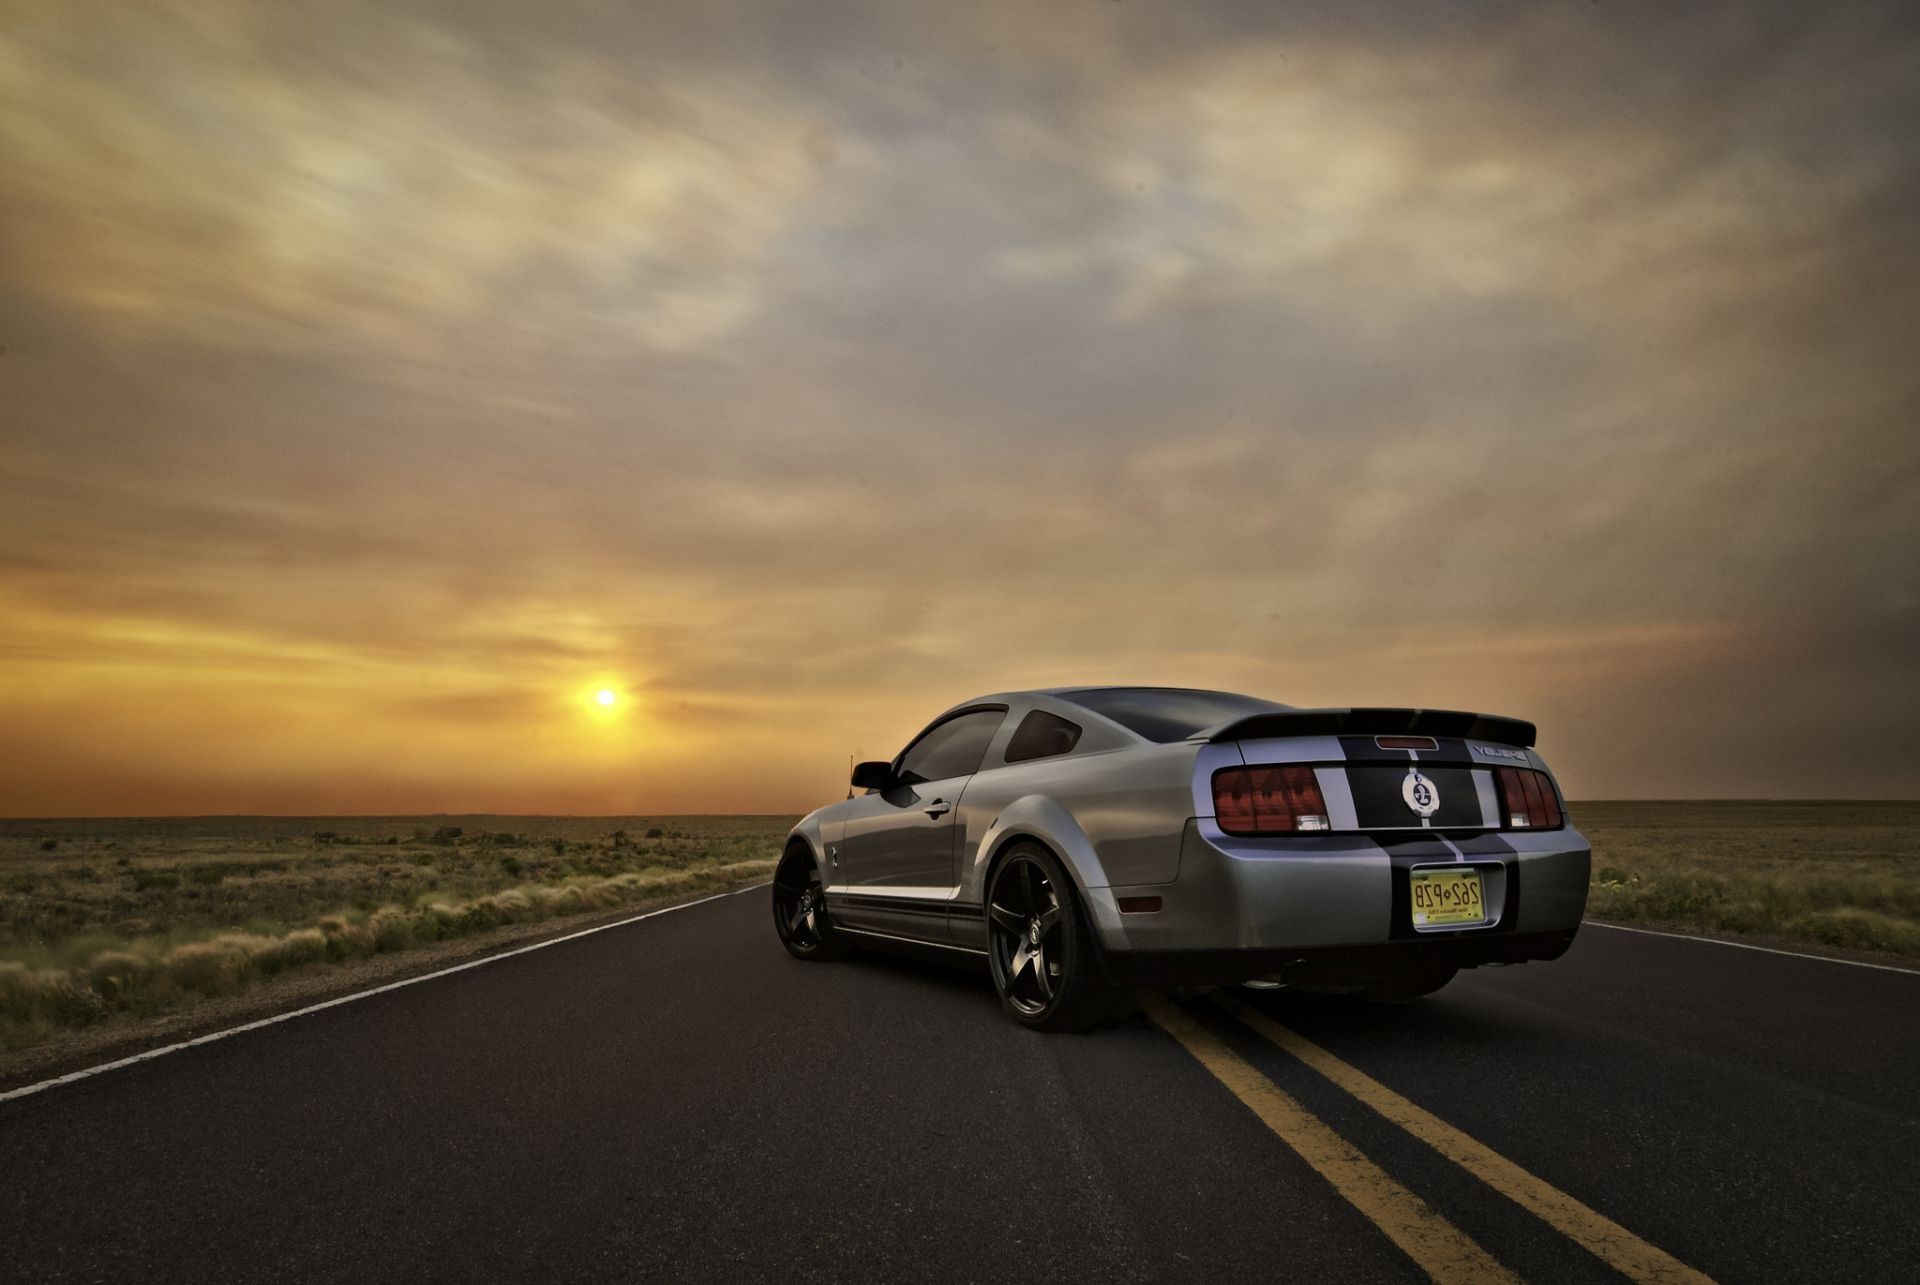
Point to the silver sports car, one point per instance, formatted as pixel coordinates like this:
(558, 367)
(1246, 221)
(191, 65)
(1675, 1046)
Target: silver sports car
(1086, 841)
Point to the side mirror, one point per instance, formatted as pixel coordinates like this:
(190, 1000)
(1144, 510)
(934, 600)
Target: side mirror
(872, 776)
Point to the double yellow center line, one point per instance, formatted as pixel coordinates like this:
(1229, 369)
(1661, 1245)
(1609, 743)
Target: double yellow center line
(1440, 1248)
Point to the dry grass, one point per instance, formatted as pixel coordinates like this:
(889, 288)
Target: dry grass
(103, 918)
(100, 919)
(1834, 874)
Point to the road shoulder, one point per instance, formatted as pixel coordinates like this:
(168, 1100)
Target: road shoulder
(126, 1035)
(1782, 945)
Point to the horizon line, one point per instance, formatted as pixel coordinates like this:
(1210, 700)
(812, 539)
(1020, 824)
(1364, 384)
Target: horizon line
(616, 816)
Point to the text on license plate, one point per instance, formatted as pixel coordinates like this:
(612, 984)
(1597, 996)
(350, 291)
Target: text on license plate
(1446, 897)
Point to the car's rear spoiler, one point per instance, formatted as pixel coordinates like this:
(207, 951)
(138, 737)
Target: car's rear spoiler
(1377, 722)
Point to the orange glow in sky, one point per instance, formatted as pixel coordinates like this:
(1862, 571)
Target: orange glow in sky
(612, 408)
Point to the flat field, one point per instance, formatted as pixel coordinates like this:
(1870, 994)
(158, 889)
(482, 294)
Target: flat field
(110, 920)
(1827, 873)
(106, 923)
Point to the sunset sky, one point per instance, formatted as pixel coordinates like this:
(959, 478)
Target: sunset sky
(382, 381)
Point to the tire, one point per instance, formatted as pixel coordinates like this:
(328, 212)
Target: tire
(800, 909)
(1404, 988)
(1045, 964)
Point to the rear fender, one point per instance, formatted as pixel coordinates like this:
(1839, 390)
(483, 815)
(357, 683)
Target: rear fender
(1033, 816)
(1040, 819)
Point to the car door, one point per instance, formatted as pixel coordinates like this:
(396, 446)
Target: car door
(895, 868)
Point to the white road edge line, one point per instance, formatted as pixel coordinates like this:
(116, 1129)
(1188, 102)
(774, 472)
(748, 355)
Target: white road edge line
(162, 1051)
(1765, 950)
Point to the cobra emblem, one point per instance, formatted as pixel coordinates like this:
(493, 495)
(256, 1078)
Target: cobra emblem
(1421, 794)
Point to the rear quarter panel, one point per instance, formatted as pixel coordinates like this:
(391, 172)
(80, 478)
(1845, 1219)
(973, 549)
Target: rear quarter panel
(1114, 817)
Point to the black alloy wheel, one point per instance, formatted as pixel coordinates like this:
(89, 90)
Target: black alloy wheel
(800, 909)
(1038, 947)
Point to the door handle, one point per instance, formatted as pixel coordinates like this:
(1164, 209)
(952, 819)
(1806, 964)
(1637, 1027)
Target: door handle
(939, 808)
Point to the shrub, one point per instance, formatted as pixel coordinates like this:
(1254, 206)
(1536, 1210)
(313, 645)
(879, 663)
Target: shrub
(443, 917)
(302, 946)
(117, 972)
(32, 1002)
(208, 967)
(341, 936)
(389, 929)
(19, 992)
(511, 865)
(71, 1003)
(655, 833)
(512, 906)
(48, 845)
(145, 880)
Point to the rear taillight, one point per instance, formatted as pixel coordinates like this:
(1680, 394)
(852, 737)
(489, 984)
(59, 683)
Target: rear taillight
(1268, 800)
(1530, 801)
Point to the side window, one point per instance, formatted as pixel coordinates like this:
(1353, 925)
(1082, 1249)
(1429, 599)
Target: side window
(952, 748)
(1041, 735)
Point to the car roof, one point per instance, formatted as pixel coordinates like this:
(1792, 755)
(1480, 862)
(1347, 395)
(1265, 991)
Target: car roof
(1138, 687)
(1062, 702)
(1106, 687)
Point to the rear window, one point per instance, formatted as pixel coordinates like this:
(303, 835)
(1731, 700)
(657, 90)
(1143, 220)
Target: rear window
(1168, 713)
(1041, 735)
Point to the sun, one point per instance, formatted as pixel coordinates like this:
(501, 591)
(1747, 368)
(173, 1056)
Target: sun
(605, 702)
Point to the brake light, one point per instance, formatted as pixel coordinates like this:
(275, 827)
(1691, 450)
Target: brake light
(1406, 742)
(1268, 800)
(1530, 801)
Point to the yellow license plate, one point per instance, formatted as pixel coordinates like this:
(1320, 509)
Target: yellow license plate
(1447, 897)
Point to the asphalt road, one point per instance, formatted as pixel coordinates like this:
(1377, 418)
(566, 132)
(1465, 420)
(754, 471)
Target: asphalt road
(676, 1099)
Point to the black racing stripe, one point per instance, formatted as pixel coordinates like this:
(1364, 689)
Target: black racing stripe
(1414, 847)
(1479, 848)
(892, 905)
(1482, 843)
(907, 905)
(1378, 802)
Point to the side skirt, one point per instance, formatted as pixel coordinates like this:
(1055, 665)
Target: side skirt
(942, 906)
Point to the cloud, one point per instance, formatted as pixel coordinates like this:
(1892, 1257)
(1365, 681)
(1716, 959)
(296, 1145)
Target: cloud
(381, 181)
(378, 377)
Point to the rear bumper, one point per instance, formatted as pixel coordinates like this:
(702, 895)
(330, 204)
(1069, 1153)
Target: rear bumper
(1331, 966)
(1242, 908)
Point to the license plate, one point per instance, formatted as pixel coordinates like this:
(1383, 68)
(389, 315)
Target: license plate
(1447, 897)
